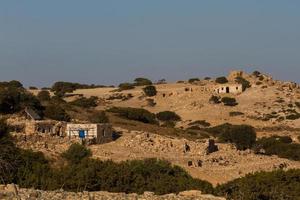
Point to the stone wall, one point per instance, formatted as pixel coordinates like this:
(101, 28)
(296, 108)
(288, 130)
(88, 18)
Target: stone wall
(12, 191)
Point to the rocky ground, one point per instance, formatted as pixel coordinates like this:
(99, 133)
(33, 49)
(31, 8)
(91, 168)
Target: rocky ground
(218, 167)
(13, 192)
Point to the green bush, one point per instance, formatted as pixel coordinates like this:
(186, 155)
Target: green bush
(85, 102)
(192, 80)
(235, 113)
(76, 153)
(137, 114)
(168, 116)
(150, 90)
(98, 117)
(142, 82)
(245, 84)
(242, 136)
(264, 186)
(221, 80)
(281, 146)
(3, 128)
(44, 95)
(214, 99)
(202, 123)
(293, 116)
(56, 112)
(14, 99)
(126, 86)
(256, 73)
(228, 101)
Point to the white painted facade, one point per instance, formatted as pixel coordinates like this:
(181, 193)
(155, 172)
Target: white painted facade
(99, 132)
(229, 89)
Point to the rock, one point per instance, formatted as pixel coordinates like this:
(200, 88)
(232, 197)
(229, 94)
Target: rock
(190, 193)
(12, 188)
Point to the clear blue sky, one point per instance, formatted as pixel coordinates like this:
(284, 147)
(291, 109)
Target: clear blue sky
(112, 41)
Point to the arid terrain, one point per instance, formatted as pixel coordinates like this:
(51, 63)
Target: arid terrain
(263, 106)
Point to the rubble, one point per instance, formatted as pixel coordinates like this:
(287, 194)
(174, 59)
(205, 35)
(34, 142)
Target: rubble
(11, 191)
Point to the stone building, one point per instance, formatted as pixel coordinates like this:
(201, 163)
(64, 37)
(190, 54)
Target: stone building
(96, 133)
(229, 89)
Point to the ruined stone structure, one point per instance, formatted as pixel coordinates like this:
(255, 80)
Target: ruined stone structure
(229, 89)
(97, 133)
(45, 127)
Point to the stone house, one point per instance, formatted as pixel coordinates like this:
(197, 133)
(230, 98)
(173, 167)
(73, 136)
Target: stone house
(95, 133)
(229, 89)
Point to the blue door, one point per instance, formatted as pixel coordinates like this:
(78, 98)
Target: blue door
(81, 133)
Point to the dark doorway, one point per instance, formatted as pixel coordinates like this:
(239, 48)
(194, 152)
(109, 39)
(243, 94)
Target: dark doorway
(227, 89)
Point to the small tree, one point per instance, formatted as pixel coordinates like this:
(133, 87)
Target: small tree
(98, 117)
(44, 95)
(56, 112)
(214, 99)
(192, 80)
(142, 81)
(76, 153)
(150, 90)
(245, 84)
(168, 116)
(221, 80)
(126, 86)
(3, 128)
(228, 101)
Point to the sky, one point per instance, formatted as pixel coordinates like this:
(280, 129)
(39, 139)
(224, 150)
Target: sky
(114, 41)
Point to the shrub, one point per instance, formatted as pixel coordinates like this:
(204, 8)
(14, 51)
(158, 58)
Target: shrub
(297, 104)
(263, 185)
(168, 116)
(14, 99)
(235, 113)
(245, 84)
(280, 146)
(76, 153)
(221, 80)
(126, 86)
(256, 73)
(207, 78)
(202, 123)
(85, 102)
(192, 80)
(98, 117)
(150, 91)
(215, 99)
(56, 112)
(228, 101)
(3, 128)
(293, 116)
(142, 82)
(32, 88)
(44, 95)
(243, 136)
(137, 114)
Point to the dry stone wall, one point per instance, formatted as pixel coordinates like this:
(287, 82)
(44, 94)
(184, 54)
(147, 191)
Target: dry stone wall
(12, 192)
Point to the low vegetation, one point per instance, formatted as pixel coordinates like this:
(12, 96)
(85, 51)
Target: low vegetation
(245, 84)
(168, 116)
(193, 80)
(61, 88)
(137, 114)
(281, 146)
(263, 185)
(242, 136)
(85, 102)
(81, 173)
(229, 101)
(150, 90)
(221, 80)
